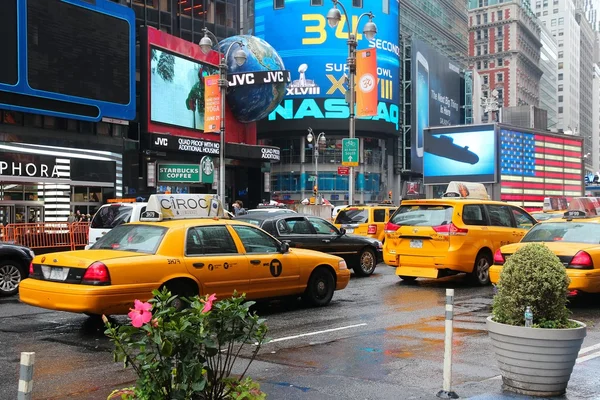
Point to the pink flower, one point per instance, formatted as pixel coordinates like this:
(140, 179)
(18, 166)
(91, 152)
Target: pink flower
(209, 302)
(141, 314)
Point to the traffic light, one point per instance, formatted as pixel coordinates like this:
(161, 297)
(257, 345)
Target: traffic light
(390, 195)
(315, 190)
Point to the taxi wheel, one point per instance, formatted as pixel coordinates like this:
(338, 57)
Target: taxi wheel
(180, 289)
(366, 263)
(11, 274)
(320, 288)
(481, 269)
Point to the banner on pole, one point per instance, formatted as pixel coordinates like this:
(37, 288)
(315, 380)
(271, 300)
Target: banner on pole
(366, 84)
(212, 104)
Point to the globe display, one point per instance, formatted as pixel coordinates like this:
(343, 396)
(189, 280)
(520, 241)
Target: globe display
(253, 102)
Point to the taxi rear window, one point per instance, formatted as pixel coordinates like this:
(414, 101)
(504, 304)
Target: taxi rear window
(352, 216)
(423, 215)
(138, 238)
(570, 232)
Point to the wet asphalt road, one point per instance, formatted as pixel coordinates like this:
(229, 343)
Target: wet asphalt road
(378, 339)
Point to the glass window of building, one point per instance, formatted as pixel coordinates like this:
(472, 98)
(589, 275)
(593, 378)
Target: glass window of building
(478, 65)
(485, 65)
(500, 31)
(560, 77)
(483, 3)
(545, 3)
(478, 17)
(560, 99)
(561, 53)
(278, 4)
(553, 22)
(499, 77)
(560, 88)
(500, 15)
(499, 46)
(560, 65)
(500, 93)
(555, 11)
(538, 14)
(500, 62)
(545, 13)
(318, 2)
(560, 110)
(561, 21)
(486, 80)
(357, 3)
(485, 18)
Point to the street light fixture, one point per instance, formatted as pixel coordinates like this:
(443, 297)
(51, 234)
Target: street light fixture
(320, 140)
(206, 45)
(334, 16)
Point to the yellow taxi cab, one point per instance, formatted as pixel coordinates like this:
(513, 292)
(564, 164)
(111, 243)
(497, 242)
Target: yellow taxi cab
(575, 239)
(554, 207)
(181, 243)
(365, 219)
(459, 233)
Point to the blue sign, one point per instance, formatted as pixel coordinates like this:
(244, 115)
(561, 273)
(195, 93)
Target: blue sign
(316, 55)
(69, 58)
(460, 154)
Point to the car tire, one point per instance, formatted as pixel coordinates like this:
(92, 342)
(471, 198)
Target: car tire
(481, 269)
(366, 262)
(180, 290)
(407, 278)
(320, 288)
(11, 275)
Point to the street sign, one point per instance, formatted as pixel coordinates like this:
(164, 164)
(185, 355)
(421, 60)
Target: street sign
(350, 152)
(343, 170)
(312, 178)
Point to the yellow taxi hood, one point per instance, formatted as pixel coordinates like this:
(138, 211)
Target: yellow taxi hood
(82, 258)
(559, 248)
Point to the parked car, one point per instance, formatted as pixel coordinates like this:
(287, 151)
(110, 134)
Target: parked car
(361, 253)
(15, 262)
(271, 211)
(111, 215)
(365, 219)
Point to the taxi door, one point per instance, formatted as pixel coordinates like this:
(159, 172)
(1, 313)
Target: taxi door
(212, 256)
(502, 228)
(271, 273)
(523, 221)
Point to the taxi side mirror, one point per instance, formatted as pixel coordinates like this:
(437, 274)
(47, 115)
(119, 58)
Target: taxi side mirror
(342, 231)
(284, 247)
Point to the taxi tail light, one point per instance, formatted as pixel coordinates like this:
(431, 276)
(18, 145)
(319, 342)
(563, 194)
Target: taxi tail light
(450, 229)
(581, 260)
(498, 258)
(372, 229)
(391, 228)
(31, 268)
(96, 274)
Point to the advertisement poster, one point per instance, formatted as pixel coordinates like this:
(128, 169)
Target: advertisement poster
(212, 101)
(366, 83)
(177, 89)
(435, 96)
(316, 56)
(459, 154)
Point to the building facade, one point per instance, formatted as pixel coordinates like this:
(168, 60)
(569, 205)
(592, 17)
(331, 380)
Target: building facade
(587, 41)
(548, 82)
(504, 48)
(596, 119)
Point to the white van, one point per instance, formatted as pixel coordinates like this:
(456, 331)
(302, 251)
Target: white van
(110, 215)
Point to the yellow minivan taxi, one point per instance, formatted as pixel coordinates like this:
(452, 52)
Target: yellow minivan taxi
(365, 220)
(440, 237)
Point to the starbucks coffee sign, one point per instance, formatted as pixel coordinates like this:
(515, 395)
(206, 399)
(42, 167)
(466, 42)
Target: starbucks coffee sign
(208, 168)
(179, 173)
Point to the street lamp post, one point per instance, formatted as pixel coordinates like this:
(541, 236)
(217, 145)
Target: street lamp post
(320, 139)
(206, 45)
(370, 30)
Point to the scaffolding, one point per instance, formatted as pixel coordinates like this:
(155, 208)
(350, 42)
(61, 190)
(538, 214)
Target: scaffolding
(404, 144)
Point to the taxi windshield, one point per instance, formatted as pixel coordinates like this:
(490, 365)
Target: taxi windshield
(422, 215)
(352, 216)
(570, 232)
(138, 238)
(542, 216)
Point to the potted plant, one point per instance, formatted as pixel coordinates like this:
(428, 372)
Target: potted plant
(535, 360)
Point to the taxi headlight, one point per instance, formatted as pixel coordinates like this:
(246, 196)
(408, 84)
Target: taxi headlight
(342, 265)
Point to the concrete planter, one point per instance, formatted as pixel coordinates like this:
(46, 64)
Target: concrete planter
(535, 361)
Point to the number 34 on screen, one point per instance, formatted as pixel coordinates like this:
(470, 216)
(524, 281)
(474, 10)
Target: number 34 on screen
(316, 29)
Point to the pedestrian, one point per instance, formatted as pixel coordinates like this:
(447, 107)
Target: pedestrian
(78, 216)
(71, 218)
(238, 208)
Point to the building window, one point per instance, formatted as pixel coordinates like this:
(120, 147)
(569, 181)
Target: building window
(561, 21)
(555, 11)
(485, 48)
(560, 99)
(500, 31)
(478, 50)
(12, 118)
(560, 65)
(538, 4)
(478, 35)
(545, 13)
(320, 2)
(560, 88)
(485, 65)
(500, 15)
(561, 32)
(560, 110)
(278, 4)
(385, 6)
(500, 62)
(499, 47)
(545, 3)
(500, 94)
(499, 77)
(485, 18)
(486, 80)
(560, 43)
(478, 18)
(560, 77)
(478, 65)
(357, 3)
(553, 22)
(561, 53)
(538, 14)
(483, 3)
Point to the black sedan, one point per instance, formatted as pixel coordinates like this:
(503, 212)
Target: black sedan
(14, 267)
(314, 233)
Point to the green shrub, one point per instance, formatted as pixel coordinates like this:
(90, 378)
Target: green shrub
(533, 276)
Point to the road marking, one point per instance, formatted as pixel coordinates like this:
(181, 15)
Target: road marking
(588, 349)
(588, 357)
(314, 333)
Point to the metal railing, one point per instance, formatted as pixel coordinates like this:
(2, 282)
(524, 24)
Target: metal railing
(44, 235)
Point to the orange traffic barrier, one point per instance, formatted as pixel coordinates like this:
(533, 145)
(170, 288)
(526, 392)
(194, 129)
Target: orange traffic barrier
(40, 235)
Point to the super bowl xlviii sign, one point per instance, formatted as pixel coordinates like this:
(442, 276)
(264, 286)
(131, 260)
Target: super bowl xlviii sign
(259, 78)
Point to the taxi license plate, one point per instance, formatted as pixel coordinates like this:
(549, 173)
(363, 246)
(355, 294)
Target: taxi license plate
(416, 244)
(349, 230)
(55, 273)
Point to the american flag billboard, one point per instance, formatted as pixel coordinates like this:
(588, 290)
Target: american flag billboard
(534, 166)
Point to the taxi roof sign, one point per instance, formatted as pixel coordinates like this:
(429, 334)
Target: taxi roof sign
(555, 204)
(466, 190)
(583, 207)
(182, 206)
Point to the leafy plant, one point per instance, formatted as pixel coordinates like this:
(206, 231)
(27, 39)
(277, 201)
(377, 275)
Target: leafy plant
(188, 354)
(533, 276)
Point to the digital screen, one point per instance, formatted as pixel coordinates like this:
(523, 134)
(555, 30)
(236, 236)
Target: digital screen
(468, 155)
(435, 96)
(316, 56)
(177, 89)
(76, 52)
(8, 32)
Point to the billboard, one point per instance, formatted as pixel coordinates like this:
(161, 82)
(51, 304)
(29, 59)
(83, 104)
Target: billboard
(534, 165)
(71, 59)
(316, 56)
(460, 153)
(436, 87)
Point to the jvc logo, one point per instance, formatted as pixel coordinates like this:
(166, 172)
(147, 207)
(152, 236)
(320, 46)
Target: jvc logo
(164, 142)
